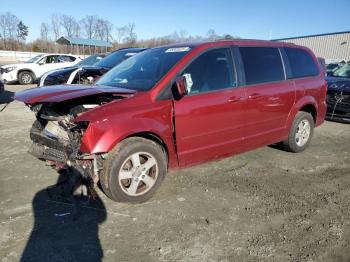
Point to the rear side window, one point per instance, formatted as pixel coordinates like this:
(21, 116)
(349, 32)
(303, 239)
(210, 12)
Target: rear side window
(262, 64)
(301, 63)
(64, 58)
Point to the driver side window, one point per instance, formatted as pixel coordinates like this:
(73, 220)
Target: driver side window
(212, 70)
(49, 59)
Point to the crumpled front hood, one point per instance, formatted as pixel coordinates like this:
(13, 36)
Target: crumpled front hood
(61, 93)
(338, 83)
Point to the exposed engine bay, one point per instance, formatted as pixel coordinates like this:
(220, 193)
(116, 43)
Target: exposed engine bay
(57, 138)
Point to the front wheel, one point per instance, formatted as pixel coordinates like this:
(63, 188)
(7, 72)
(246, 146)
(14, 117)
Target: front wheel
(300, 133)
(25, 78)
(134, 170)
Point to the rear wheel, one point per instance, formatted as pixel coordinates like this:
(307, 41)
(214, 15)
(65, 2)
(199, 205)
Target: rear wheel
(25, 78)
(134, 170)
(300, 133)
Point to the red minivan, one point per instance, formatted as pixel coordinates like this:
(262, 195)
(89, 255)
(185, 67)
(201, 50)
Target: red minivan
(175, 106)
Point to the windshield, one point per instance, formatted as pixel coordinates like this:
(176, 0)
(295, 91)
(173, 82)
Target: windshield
(91, 60)
(113, 59)
(331, 66)
(343, 71)
(33, 59)
(144, 70)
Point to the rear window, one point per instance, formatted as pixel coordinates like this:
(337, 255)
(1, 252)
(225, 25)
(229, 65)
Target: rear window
(262, 64)
(301, 63)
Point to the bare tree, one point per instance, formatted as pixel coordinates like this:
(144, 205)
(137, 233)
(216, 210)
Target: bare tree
(99, 32)
(211, 34)
(120, 34)
(89, 25)
(130, 35)
(56, 25)
(108, 29)
(8, 27)
(183, 34)
(68, 23)
(103, 29)
(76, 29)
(3, 28)
(44, 32)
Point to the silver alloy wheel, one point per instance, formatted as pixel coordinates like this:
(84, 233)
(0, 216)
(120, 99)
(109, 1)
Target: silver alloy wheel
(138, 174)
(303, 133)
(26, 78)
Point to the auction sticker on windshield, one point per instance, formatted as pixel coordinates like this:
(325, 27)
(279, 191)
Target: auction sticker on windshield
(177, 49)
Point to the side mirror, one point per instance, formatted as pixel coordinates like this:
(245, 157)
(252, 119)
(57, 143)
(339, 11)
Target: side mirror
(41, 62)
(181, 86)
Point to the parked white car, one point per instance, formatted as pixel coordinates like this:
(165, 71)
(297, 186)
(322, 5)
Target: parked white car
(28, 72)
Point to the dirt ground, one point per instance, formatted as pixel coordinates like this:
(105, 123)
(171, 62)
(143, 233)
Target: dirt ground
(264, 205)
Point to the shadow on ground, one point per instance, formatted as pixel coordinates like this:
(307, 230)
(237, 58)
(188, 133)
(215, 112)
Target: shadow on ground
(6, 97)
(64, 228)
(346, 120)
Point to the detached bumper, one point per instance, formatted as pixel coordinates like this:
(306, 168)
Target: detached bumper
(44, 153)
(46, 148)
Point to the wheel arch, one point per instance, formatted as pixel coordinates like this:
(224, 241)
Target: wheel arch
(153, 137)
(95, 141)
(310, 108)
(306, 104)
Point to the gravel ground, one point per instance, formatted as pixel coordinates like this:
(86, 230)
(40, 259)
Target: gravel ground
(264, 205)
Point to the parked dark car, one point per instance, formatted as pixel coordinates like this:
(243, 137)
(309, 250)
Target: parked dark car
(89, 61)
(84, 74)
(176, 106)
(332, 67)
(338, 94)
(2, 87)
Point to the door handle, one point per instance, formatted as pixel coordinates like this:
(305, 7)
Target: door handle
(254, 96)
(235, 99)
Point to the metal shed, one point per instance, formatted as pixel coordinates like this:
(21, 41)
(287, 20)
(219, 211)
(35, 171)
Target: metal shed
(330, 46)
(91, 44)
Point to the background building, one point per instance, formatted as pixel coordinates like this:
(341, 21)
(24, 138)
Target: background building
(92, 45)
(332, 47)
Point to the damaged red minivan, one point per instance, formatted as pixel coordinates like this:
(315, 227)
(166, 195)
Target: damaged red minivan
(176, 106)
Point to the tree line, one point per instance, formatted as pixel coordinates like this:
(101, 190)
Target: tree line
(13, 33)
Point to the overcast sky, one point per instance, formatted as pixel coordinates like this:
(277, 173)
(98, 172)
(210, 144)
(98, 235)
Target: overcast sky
(256, 19)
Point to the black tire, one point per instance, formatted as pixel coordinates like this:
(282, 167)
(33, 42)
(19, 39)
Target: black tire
(291, 144)
(109, 179)
(25, 78)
